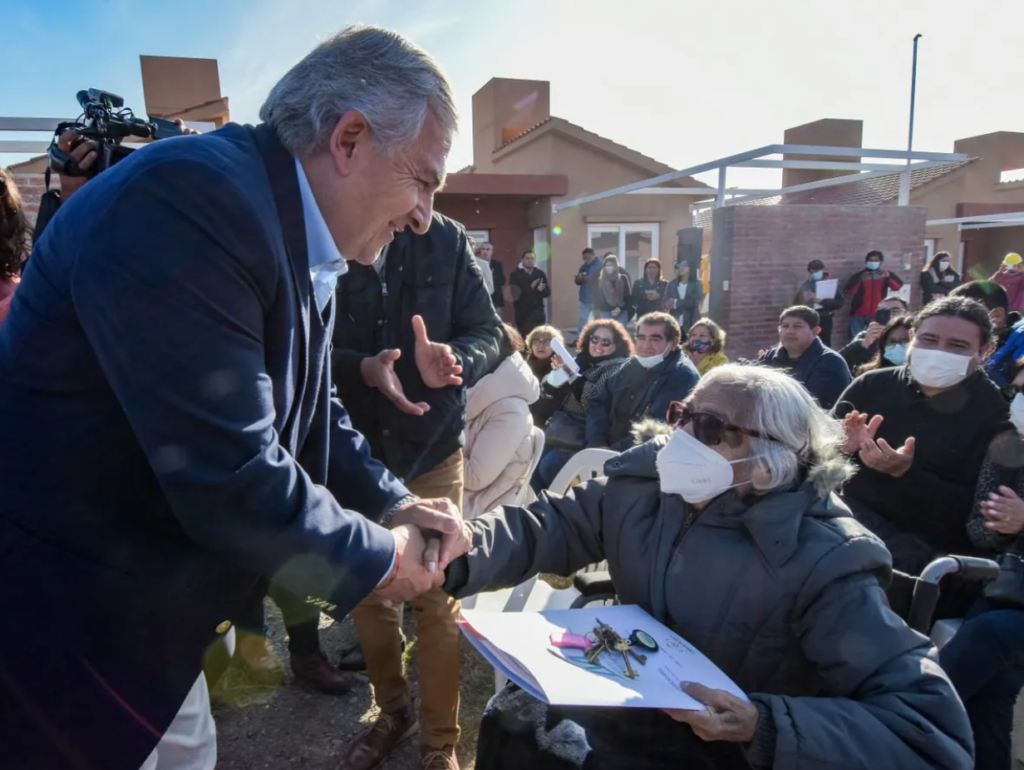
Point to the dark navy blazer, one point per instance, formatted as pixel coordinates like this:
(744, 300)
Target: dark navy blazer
(167, 440)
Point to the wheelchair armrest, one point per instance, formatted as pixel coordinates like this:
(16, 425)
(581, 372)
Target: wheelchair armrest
(969, 567)
(974, 568)
(593, 583)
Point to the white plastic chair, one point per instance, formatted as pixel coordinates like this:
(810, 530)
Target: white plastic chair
(536, 595)
(583, 466)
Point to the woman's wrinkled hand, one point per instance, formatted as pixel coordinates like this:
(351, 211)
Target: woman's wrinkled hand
(724, 718)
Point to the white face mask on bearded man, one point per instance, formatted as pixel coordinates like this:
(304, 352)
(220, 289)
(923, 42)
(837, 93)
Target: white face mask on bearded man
(937, 368)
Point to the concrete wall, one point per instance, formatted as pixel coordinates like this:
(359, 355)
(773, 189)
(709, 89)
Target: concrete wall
(760, 255)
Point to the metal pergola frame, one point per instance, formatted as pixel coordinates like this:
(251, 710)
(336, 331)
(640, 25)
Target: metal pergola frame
(982, 221)
(909, 161)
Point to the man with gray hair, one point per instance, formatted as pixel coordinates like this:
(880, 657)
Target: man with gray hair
(173, 439)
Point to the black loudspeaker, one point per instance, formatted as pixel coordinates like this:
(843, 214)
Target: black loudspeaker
(689, 245)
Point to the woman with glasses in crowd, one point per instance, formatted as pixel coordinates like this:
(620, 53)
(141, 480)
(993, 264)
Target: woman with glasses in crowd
(893, 343)
(539, 357)
(603, 347)
(728, 530)
(13, 241)
(706, 345)
(538, 350)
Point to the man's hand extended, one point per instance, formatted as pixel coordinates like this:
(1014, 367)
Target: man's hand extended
(859, 429)
(436, 362)
(408, 578)
(379, 372)
(442, 517)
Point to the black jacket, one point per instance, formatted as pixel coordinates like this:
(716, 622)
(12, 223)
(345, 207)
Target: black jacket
(689, 307)
(435, 276)
(528, 301)
(822, 371)
(634, 393)
(936, 285)
(856, 355)
(641, 305)
(953, 431)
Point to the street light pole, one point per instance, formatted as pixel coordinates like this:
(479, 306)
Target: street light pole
(904, 199)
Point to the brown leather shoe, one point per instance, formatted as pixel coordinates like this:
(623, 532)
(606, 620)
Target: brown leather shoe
(438, 759)
(315, 671)
(376, 744)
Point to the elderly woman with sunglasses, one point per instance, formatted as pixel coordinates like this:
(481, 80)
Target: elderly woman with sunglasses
(729, 532)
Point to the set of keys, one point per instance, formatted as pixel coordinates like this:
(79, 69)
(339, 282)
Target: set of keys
(608, 640)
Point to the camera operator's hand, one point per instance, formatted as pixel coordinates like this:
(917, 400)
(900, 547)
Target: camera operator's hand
(84, 156)
(185, 130)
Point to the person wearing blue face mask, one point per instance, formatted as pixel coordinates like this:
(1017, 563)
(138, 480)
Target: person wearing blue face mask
(866, 290)
(807, 295)
(893, 343)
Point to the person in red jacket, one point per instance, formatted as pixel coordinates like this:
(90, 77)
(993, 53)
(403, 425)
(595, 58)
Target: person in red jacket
(1010, 276)
(867, 288)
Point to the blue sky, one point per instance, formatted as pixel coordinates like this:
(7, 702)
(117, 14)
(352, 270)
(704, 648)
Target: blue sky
(679, 80)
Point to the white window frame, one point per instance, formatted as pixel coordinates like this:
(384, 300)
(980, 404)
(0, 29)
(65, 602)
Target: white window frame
(623, 229)
(930, 245)
(480, 236)
(542, 251)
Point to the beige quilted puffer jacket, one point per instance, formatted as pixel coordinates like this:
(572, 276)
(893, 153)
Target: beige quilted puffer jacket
(501, 441)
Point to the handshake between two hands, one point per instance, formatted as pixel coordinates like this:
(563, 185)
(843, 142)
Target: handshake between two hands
(429, 535)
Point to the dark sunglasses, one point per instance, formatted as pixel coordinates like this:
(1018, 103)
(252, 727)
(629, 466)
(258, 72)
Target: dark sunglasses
(707, 428)
(602, 342)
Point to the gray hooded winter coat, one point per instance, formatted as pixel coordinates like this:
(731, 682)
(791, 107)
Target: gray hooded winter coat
(783, 592)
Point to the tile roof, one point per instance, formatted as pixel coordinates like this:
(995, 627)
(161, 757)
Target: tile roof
(656, 166)
(524, 133)
(877, 191)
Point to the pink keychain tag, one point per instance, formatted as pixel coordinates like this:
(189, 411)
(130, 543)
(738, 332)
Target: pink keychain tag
(572, 641)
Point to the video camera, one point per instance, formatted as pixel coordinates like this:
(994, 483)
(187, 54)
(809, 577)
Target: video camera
(106, 121)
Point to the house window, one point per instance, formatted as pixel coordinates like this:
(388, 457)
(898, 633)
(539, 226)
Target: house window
(633, 244)
(479, 236)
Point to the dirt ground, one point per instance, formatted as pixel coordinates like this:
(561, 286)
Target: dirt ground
(278, 725)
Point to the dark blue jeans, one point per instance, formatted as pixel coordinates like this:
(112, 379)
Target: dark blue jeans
(551, 462)
(985, 661)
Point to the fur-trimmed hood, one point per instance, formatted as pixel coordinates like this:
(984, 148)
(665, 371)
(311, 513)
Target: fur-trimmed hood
(649, 428)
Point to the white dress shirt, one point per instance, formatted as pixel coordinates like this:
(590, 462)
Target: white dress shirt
(325, 261)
